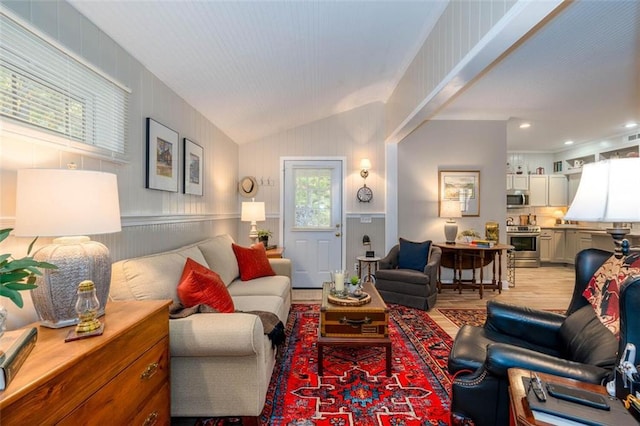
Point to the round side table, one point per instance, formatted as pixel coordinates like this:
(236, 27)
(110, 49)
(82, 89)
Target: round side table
(371, 263)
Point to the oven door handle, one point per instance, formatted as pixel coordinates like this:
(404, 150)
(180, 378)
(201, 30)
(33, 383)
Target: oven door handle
(523, 234)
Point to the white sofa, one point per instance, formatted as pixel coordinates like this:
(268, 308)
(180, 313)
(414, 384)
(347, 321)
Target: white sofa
(221, 363)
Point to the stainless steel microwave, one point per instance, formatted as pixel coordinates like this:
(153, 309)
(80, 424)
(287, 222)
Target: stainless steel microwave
(517, 198)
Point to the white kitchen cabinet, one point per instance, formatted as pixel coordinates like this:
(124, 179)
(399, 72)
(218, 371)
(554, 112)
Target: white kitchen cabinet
(584, 241)
(571, 238)
(520, 182)
(547, 251)
(557, 190)
(538, 190)
(559, 246)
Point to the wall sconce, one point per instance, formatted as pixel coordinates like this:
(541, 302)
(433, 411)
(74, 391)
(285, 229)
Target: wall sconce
(365, 165)
(365, 194)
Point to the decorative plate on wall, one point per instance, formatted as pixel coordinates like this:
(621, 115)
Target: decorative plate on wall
(248, 186)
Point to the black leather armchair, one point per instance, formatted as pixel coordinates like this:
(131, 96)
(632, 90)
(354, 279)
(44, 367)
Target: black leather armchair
(417, 289)
(574, 345)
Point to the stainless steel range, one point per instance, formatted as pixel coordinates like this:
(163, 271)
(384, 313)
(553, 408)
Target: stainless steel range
(526, 240)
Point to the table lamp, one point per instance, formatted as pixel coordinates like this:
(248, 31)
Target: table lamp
(68, 204)
(450, 209)
(252, 212)
(609, 192)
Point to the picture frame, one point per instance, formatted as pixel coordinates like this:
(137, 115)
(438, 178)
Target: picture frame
(193, 167)
(462, 185)
(162, 157)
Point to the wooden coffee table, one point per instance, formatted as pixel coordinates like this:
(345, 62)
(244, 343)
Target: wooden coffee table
(354, 326)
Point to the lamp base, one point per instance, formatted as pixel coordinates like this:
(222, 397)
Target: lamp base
(77, 259)
(618, 233)
(450, 232)
(253, 233)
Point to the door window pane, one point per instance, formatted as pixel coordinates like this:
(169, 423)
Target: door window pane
(312, 198)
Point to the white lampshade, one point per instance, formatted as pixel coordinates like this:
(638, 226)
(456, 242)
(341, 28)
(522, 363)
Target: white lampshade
(450, 209)
(252, 211)
(365, 164)
(68, 204)
(609, 191)
(58, 202)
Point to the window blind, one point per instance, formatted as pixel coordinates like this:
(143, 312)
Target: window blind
(43, 86)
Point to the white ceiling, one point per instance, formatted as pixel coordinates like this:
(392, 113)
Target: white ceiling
(257, 68)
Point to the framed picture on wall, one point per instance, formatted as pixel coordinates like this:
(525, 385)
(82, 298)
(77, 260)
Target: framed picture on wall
(463, 186)
(162, 157)
(193, 163)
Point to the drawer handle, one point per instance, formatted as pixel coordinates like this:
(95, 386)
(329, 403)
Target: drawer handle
(149, 371)
(151, 419)
(355, 323)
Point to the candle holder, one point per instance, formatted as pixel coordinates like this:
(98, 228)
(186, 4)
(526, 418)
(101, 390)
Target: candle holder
(87, 307)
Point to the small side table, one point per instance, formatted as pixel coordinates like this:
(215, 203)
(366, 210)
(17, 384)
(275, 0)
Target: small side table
(275, 253)
(371, 264)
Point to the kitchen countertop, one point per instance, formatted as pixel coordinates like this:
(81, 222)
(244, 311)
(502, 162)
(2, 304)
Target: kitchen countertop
(590, 229)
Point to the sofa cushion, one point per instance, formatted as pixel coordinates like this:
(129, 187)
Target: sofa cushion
(413, 255)
(200, 285)
(152, 277)
(220, 257)
(252, 261)
(278, 285)
(587, 340)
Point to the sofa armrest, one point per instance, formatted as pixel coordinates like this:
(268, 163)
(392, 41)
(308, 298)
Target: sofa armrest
(535, 326)
(281, 266)
(502, 356)
(216, 334)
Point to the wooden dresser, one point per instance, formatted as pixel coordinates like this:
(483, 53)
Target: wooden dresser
(121, 377)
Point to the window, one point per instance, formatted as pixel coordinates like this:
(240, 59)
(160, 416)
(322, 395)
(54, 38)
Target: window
(45, 87)
(313, 198)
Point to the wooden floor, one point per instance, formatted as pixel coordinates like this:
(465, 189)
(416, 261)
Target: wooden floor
(548, 287)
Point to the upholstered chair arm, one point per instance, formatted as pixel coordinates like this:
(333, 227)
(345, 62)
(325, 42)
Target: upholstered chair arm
(431, 268)
(390, 261)
(489, 382)
(502, 356)
(535, 326)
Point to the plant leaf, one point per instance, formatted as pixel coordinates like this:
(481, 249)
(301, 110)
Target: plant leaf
(20, 286)
(31, 245)
(15, 296)
(4, 233)
(13, 277)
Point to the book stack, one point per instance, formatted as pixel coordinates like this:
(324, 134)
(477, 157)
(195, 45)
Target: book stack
(482, 243)
(15, 346)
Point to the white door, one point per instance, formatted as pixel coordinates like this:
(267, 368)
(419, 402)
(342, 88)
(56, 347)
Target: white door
(313, 219)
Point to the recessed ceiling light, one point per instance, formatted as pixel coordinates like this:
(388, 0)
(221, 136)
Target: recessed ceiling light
(630, 125)
(525, 125)
(568, 142)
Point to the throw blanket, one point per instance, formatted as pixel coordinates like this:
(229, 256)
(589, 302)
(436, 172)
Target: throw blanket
(272, 325)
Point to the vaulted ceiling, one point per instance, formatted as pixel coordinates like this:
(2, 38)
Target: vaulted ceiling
(257, 68)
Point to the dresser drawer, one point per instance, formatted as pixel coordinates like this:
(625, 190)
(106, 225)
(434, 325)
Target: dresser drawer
(156, 411)
(122, 398)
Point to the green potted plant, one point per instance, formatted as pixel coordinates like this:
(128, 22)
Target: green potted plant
(17, 275)
(263, 236)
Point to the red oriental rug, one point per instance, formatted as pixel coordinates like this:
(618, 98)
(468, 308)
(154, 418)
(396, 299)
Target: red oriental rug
(354, 389)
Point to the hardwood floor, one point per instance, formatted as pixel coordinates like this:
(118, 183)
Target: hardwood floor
(548, 287)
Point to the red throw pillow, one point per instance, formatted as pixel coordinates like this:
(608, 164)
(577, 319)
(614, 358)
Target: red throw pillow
(603, 289)
(200, 285)
(252, 261)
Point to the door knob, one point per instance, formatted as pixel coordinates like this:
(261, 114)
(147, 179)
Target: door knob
(338, 234)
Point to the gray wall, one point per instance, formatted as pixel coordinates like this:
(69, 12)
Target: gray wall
(152, 220)
(450, 145)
